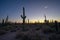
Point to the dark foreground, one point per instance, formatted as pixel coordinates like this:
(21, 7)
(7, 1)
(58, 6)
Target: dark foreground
(36, 31)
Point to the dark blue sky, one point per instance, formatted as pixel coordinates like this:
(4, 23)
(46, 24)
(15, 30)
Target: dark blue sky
(34, 9)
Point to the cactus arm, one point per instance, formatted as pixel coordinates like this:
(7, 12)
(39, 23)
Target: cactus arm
(21, 16)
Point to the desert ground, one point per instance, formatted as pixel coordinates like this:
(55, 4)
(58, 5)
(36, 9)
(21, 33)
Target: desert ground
(36, 31)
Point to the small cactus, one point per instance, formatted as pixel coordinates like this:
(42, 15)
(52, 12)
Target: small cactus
(56, 25)
(6, 21)
(28, 21)
(2, 21)
(45, 18)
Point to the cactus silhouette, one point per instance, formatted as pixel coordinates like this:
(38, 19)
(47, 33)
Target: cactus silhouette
(23, 16)
(2, 21)
(45, 18)
(56, 25)
(28, 21)
(6, 21)
(46, 21)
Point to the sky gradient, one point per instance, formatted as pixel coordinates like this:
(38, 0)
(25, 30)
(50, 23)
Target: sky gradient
(34, 9)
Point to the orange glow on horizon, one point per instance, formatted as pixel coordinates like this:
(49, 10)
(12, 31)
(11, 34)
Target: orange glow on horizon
(32, 21)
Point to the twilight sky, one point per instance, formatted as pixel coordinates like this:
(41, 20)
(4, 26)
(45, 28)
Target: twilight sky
(34, 9)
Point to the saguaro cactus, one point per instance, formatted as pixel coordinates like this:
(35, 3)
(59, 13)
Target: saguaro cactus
(6, 21)
(28, 21)
(45, 18)
(46, 21)
(2, 21)
(56, 25)
(23, 16)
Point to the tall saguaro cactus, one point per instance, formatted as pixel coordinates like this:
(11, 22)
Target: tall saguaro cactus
(23, 16)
